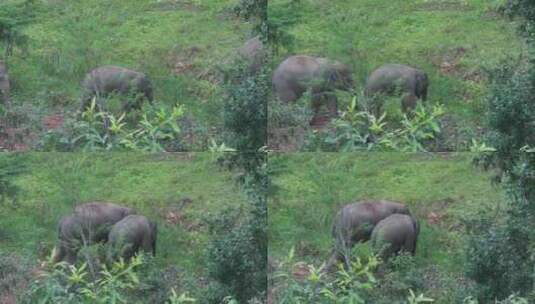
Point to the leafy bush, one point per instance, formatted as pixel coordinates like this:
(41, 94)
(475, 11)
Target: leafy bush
(13, 17)
(157, 130)
(500, 254)
(523, 8)
(245, 107)
(237, 254)
(347, 286)
(360, 130)
(14, 273)
(71, 284)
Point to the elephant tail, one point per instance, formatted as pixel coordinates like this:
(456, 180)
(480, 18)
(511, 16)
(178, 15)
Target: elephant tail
(154, 230)
(416, 225)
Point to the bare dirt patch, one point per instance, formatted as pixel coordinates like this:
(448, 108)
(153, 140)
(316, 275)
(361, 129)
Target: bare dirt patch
(181, 59)
(52, 122)
(173, 5)
(439, 5)
(286, 139)
(435, 214)
(174, 215)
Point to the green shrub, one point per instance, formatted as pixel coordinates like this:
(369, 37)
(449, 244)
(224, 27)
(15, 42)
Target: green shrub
(13, 17)
(500, 253)
(119, 283)
(346, 286)
(245, 107)
(237, 254)
(157, 130)
(14, 273)
(362, 131)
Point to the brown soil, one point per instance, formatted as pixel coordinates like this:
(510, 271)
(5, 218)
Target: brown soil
(52, 122)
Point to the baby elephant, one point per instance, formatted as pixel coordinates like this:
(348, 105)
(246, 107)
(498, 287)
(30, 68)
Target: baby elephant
(391, 79)
(354, 223)
(4, 83)
(131, 234)
(396, 233)
(105, 80)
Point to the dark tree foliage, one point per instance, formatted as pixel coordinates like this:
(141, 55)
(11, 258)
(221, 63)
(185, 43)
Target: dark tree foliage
(237, 255)
(524, 9)
(13, 17)
(501, 249)
(245, 108)
(511, 113)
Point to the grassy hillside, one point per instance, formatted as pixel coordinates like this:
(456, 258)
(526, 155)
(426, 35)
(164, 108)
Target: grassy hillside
(178, 191)
(453, 41)
(440, 190)
(180, 45)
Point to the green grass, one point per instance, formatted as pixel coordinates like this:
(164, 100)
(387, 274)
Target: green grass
(311, 187)
(69, 38)
(422, 33)
(149, 183)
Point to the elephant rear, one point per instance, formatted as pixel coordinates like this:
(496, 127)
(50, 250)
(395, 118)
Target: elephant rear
(396, 233)
(132, 234)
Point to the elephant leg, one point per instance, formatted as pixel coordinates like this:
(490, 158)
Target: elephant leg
(424, 94)
(286, 94)
(333, 261)
(410, 245)
(147, 245)
(332, 105)
(408, 103)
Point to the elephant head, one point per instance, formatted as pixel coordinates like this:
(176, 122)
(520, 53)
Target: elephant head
(340, 77)
(397, 79)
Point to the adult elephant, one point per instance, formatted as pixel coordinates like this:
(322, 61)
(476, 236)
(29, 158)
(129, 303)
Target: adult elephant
(132, 234)
(355, 222)
(254, 52)
(89, 223)
(391, 79)
(394, 234)
(300, 73)
(106, 80)
(4, 83)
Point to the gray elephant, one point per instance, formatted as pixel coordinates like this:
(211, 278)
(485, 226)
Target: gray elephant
(297, 74)
(106, 80)
(400, 79)
(90, 223)
(355, 222)
(254, 52)
(4, 83)
(396, 233)
(130, 235)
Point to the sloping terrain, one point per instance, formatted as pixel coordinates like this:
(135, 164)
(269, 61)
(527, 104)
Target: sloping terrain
(452, 41)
